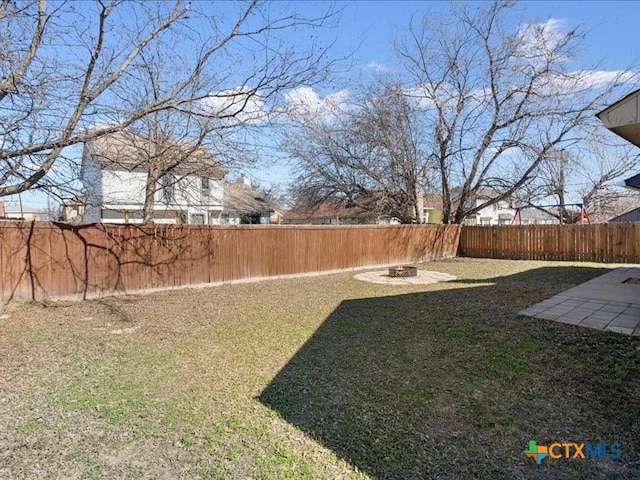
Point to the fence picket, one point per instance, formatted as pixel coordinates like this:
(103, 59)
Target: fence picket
(607, 242)
(45, 260)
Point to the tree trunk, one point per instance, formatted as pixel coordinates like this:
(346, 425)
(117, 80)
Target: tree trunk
(149, 197)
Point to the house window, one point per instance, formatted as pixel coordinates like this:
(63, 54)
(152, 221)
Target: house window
(205, 187)
(250, 218)
(197, 218)
(425, 215)
(168, 187)
(109, 214)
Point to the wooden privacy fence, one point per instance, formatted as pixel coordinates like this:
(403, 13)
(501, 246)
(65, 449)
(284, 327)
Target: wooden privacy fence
(608, 242)
(47, 260)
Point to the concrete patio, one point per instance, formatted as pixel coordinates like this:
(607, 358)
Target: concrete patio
(605, 303)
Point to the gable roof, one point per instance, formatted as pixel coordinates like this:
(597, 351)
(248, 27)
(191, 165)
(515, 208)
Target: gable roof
(630, 96)
(623, 117)
(632, 216)
(432, 200)
(329, 209)
(242, 198)
(128, 151)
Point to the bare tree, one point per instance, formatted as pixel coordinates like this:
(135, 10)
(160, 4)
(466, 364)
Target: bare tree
(589, 173)
(368, 154)
(74, 72)
(276, 196)
(498, 99)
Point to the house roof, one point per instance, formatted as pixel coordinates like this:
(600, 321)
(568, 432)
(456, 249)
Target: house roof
(431, 200)
(626, 98)
(633, 182)
(131, 152)
(328, 210)
(623, 117)
(631, 216)
(534, 214)
(242, 198)
(482, 194)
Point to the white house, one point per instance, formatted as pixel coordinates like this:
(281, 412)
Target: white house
(500, 213)
(115, 169)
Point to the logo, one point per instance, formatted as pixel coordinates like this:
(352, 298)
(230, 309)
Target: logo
(538, 453)
(584, 450)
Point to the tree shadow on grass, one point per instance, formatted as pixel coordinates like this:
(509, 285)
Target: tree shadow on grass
(452, 383)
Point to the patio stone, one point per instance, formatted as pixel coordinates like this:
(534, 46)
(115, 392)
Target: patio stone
(593, 304)
(613, 308)
(569, 320)
(560, 309)
(554, 300)
(599, 303)
(545, 305)
(574, 302)
(626, 321)
(604, 315)
(626, 331)
(621, 304)
(579, 313)
(594, 322)
(548, 316)
(632, 311)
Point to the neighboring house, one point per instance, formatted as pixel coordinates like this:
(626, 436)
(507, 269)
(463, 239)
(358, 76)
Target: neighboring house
(335, 213)
(431, 211)
(244, 204)
(615, 207)
(114, 173)
(72, 211)
(500, 213)
(277, 217)
(632, 216)
(632, 183)
(15, 211)
(534, 216)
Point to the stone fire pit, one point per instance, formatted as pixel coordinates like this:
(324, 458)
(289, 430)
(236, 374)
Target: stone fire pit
(403, 271)
(409, 276)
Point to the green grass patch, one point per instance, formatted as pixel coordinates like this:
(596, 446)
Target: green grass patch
(323, 377)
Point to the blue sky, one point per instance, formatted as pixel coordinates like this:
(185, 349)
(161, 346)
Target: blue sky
(611, 26)
(368, 29)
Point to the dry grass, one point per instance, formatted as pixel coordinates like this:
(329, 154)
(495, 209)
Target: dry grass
(321, 377)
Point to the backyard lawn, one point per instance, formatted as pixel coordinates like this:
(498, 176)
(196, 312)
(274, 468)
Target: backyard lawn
(318, 377)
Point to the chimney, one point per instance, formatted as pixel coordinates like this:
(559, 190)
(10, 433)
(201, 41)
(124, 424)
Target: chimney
(1, 209)
(245, 180)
